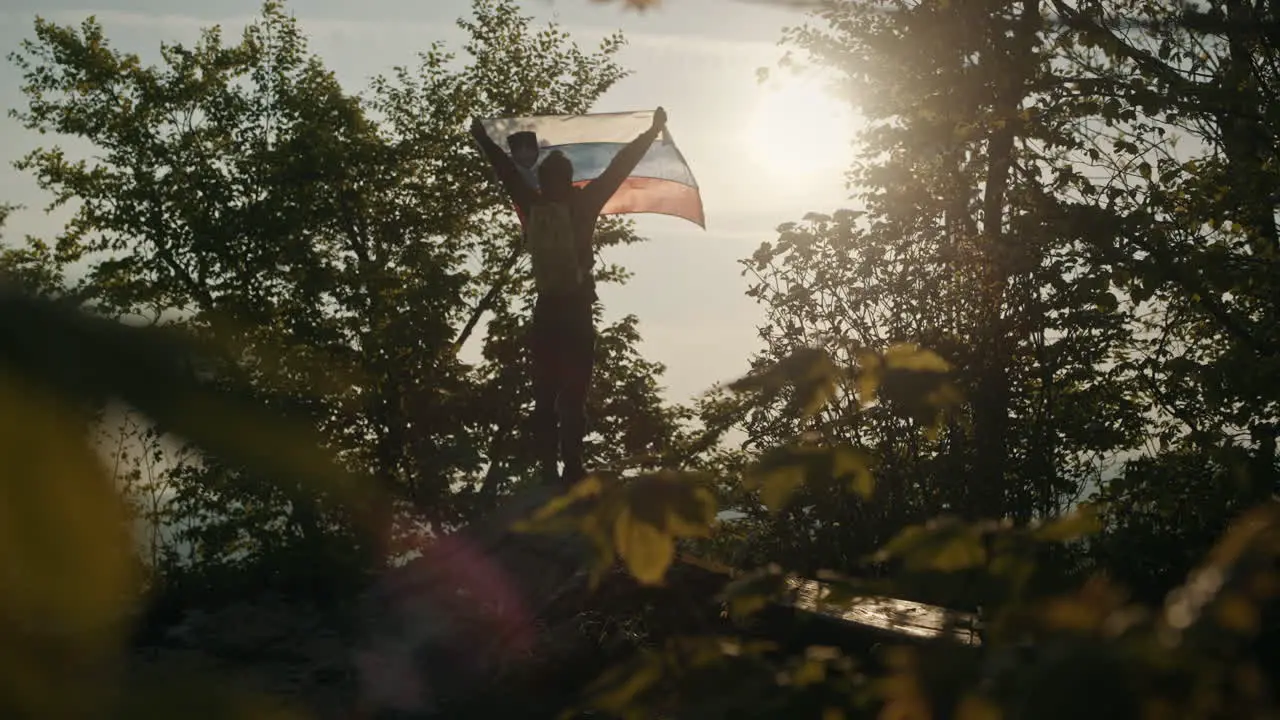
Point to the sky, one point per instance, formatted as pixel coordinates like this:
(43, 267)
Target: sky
(762, 155)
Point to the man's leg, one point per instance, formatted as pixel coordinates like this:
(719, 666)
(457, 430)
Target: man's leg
(578, 367)
(546, 371)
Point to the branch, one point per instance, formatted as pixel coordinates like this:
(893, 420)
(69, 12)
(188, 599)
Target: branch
(504, 275)
(1149, 64)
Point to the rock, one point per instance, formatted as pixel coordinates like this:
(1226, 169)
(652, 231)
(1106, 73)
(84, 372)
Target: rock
(448, 625)
(271, 648)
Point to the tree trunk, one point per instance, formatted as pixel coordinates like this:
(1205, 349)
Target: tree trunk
(991, 399)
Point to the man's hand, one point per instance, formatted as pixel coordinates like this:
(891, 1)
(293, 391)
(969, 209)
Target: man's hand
(659, 119)
(477, 128)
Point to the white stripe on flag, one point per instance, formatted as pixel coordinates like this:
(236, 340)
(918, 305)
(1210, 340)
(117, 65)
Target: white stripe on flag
(570, 129)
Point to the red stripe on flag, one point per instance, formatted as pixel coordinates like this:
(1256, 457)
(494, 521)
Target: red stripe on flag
(650, 195)
(653, 195)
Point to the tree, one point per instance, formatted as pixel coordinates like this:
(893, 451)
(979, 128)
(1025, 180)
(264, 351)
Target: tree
(1184, 216)
(336, 247)
(955, 248)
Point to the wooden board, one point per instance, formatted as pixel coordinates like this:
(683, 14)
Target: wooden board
(890, 614)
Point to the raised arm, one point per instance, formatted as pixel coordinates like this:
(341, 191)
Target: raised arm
(599, 191)
(521, 194)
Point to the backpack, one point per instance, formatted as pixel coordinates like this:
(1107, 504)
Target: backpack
(549, 239)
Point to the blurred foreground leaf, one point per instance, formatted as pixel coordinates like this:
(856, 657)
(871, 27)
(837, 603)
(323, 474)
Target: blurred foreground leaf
(637, 521)
(67, 572)
(67, 579)
(810, 371)
(1083, 521)
(782, 471)
(85, 359)
(754, 591)
(945, 544)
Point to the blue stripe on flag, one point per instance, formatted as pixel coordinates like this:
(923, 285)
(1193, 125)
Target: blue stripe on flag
(663, 161)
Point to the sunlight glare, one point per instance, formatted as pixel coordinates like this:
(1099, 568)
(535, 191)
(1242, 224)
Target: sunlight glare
(798, 132)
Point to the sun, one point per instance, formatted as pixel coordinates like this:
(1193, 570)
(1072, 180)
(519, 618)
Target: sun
(798, 130)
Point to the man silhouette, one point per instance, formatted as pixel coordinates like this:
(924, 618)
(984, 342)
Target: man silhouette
(560, 222)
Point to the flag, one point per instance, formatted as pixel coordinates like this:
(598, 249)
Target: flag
(661, 183)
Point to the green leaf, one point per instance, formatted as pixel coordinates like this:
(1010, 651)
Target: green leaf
(588, 487)
(814, 393)
(782, 471)
(778, 485)
(692, 514)
(810, 672)
(617, 690)
(678, 503)
(958, 553)
(645, 548)
(944, 544)
(909, 356)
(916, 382)
(870, 372)
(66, 560)
(854, 464)
(1083, 521)
(754, 591)
(809, 370)
(1107, 302)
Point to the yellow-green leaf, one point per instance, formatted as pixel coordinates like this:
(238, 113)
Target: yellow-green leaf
(870, 370)
(855, 464)
(646, 549)
(962, 552)
(815, 393)
(1237, 613)
(777, 487)
(589, 486)
(750, 593)
(746, 605)
(909, 356)
(810, 672)
(974, 707)
(946, 545)
(678, 503)
(933, 430)
(906, 540)
(1084, 521)
(617, 689)
(66, 570)
(692, 514)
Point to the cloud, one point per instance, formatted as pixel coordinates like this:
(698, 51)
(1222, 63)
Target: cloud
(133, 20)
(678, 42)
(316, 27)
(319, 27)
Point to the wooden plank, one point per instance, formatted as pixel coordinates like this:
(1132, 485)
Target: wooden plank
(883, 614)
(890, 614)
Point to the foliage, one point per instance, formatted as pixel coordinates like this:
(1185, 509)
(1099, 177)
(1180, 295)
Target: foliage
(639, 520)
(1191, 242)
(1190, 658)
(338, 249)
(1040, 282)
